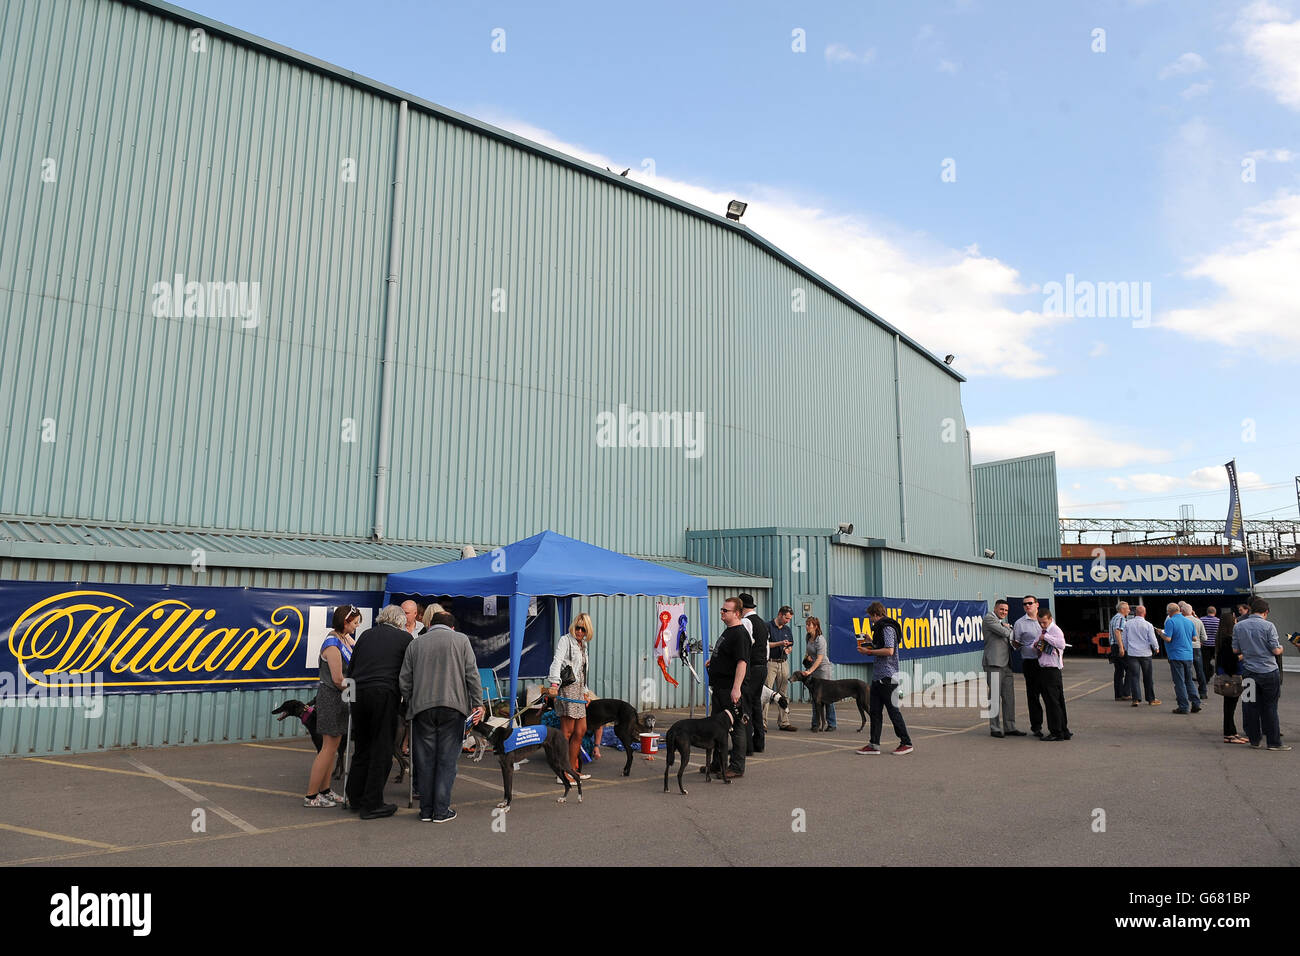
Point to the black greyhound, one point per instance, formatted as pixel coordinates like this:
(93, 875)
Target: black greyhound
(307, 714)
(627, 724)
(711, 733)
(826, 692)
(555, 747)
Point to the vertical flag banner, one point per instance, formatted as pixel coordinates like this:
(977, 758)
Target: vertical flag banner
(671, 618)
(1234, 528)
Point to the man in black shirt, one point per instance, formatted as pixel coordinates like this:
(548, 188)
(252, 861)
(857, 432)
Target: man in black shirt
(728, 661)
(376, 664)
(755, 675)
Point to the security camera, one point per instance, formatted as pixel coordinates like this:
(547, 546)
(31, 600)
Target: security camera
(846, 527)
(988, 552)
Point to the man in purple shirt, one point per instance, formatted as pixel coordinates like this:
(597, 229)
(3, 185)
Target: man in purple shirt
(1050, 645)
(1023, 637)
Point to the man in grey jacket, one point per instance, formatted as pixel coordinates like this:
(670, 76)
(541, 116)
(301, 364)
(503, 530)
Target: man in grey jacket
(997, 665)
(440, 680)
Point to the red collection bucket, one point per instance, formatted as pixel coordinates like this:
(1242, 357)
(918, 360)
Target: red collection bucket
(649, 743)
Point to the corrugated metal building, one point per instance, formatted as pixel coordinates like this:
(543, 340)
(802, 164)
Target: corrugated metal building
(1017, 511)
(408, 330)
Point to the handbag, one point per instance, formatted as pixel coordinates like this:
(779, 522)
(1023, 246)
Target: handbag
(1227, 685)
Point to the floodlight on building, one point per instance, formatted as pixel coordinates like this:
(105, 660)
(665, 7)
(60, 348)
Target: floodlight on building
(736, 209)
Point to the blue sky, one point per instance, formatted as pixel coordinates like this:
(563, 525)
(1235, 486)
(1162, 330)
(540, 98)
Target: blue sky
(1115, 165)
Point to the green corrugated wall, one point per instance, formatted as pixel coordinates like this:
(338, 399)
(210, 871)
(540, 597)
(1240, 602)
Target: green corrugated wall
(534, 293)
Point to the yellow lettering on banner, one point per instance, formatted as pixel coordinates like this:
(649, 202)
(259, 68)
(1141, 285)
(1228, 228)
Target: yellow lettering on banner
(172, 664)
(215, 663)
(76, 632)
(862, 627)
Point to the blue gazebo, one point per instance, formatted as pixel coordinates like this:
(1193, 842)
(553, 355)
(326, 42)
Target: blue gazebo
(555, 566)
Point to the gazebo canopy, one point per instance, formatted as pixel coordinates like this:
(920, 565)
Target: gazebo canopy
(549, 565)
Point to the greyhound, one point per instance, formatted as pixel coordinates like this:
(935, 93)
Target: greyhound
(627, 724)
(826, 692)
(711, 733)
(555, 747)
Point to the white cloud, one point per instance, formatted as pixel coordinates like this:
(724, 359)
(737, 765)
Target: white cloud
(1210, 478)
(1078, 442)
(1098, 349)
(839, 53)
(1068, 506)
(1185, 64)
(1255, 275)
(948, 66)
(948, 300)
(1272, 155)
(1196, 89)
(1271, 39)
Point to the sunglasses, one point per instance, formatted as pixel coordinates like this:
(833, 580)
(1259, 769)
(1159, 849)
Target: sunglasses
(579, 627)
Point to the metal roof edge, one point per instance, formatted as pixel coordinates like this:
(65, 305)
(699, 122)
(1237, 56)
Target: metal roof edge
(886, 545)
(1007, 461)
(746, 532)
(103, 554)
(358, 79)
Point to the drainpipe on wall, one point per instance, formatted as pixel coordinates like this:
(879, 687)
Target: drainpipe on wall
(390, 327)
(898, 418)
(970, 482)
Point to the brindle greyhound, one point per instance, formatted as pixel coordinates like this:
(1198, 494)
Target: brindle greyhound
(826, 692)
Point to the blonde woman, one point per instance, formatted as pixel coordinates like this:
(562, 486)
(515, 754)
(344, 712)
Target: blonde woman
(568, 680)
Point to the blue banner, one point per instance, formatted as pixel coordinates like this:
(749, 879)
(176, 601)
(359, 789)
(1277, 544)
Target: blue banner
(1102, 577)
(929, 628)
(130, 639)
(526, 737)
(1234, 528)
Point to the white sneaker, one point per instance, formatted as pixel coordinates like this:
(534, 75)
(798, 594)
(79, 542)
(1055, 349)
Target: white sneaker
(320, 800)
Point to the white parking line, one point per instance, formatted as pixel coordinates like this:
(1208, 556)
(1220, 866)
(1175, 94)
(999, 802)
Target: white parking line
(197, 798)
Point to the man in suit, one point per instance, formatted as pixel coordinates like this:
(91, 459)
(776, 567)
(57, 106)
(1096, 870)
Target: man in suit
(997, 665)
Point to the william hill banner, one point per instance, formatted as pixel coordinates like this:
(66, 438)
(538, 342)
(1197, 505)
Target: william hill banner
(929, 628)
(144, 639)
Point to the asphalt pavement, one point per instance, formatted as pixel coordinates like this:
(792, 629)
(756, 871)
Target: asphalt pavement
(1136, 786)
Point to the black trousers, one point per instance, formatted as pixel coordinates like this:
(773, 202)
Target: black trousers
(1120, 666)
(721, 700)
(1049, 679)
(1034, 691)
(374, 726)
(752, 688)
(881, 700)
(1230, 716)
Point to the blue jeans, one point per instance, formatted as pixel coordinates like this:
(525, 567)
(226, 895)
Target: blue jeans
(436, 738)
(1139, 676)
(1200, 670)
(1184, 683)
(1260, 715)
(830, 717)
